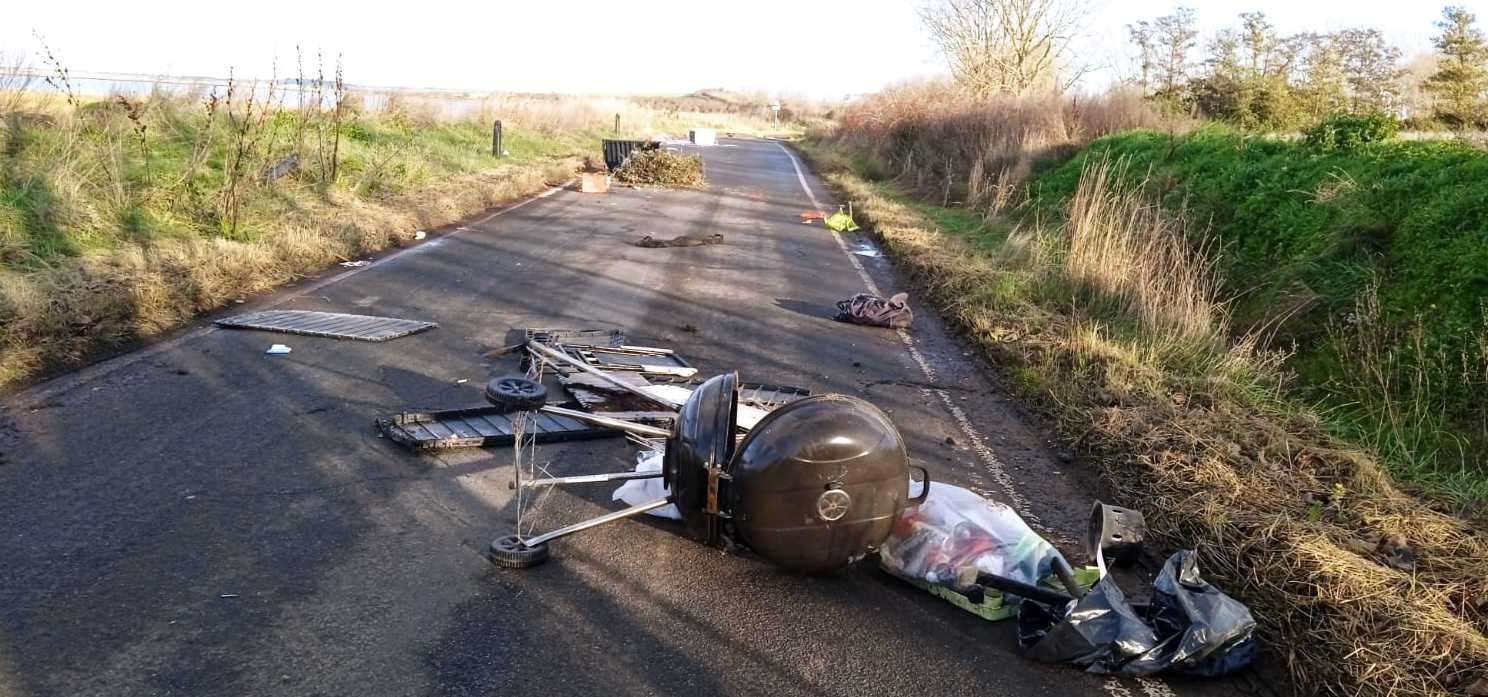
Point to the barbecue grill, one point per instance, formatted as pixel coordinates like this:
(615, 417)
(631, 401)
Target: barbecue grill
(814, 485)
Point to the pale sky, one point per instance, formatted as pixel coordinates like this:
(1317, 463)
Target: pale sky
(821, 48)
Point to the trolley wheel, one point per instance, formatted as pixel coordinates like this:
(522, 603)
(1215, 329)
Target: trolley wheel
(512, 393)
(512, 553)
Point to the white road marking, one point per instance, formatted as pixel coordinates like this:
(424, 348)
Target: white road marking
(990, 462)
(1112, 685)
(1151, 687)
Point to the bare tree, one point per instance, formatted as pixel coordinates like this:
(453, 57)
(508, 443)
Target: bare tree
(1224, 60)
(1259, 39)
(1006, 46)
(1144, 36)
(1372, 67)
(1415, 99)
(1176, 35)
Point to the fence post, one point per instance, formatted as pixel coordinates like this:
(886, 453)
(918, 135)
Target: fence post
(617, 124)
(496, 138)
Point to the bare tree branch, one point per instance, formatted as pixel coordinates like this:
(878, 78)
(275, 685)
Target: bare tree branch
(1006, 46)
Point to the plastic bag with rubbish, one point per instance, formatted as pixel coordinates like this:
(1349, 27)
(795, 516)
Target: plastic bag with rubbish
(1191, 627)
(1100, 631)
(1202, 631)
(955, 528)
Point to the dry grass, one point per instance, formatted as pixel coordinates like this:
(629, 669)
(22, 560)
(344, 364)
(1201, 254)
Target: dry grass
(1188, 427)
(56, 315)
(1125, 250)
(554, 114)
(951, 147)
(123, 218)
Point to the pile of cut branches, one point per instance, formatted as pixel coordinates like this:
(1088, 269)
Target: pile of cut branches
(662, 168)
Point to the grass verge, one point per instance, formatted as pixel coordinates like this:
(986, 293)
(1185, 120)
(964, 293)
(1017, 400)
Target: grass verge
(125, 216)
(1370, 260)
(1110, 323)
(123, 219)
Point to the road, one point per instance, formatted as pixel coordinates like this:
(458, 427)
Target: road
(199, 518)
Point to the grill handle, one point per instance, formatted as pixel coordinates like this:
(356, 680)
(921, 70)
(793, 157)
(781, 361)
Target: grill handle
(925, 487)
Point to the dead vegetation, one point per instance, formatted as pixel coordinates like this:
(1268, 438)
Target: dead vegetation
(1111, 323)
(56, 315)
(951, 147)
(659, 167)
(1007, 46)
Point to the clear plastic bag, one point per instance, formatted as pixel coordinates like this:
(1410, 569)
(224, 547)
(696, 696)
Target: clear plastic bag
(954, 529)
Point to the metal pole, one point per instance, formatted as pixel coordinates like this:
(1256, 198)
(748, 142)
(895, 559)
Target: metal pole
(636, 350)
(1067, 577)
(617, 424)
(592, 522)
(496, 138)
(617, 123)
(518, 421)
(589, 479)
(544, 351)
(1025, 590)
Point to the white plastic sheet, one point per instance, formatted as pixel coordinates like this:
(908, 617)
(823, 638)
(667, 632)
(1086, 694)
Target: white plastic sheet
(638, 491)
(748, 416)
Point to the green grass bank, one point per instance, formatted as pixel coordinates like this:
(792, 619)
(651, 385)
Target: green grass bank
(1368, 265)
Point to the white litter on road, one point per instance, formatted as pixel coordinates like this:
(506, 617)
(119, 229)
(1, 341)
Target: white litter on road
(278, 350)
(638, 491)
(703, 136)
(677, 394)
(867, 250)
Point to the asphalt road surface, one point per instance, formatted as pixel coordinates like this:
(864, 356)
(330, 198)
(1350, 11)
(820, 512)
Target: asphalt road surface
(199, 518)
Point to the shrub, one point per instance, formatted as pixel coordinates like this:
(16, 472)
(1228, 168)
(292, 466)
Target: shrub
(1348, 131)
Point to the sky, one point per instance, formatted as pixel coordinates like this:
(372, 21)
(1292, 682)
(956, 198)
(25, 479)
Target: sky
(816, 48)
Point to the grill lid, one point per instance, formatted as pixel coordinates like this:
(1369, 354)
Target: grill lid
(702, 442)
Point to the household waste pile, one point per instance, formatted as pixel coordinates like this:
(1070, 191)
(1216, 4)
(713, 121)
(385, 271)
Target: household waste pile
(981, 556)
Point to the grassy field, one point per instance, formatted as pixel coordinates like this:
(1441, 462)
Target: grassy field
(124, 217)
(1110, 320)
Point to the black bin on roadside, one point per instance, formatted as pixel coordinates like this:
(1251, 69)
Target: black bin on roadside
(616, 151)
